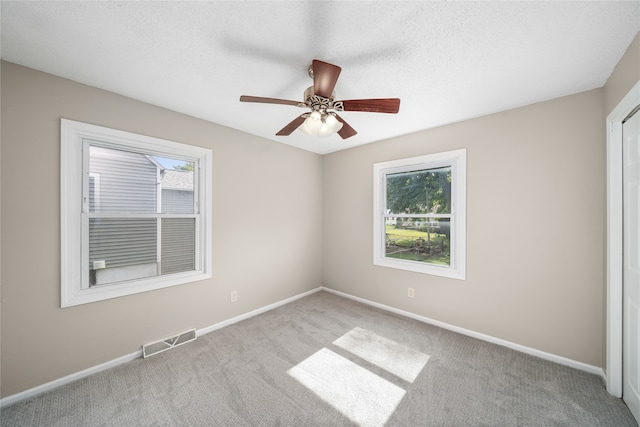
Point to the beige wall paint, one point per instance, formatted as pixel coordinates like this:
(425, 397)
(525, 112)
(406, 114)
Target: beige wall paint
(534, 227)
(624, 76)
(263, 253)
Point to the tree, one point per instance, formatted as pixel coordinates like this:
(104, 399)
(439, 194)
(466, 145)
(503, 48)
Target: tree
(184, 167)
(419, 192)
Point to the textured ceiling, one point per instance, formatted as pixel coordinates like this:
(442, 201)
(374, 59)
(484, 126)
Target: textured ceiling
(447, 61)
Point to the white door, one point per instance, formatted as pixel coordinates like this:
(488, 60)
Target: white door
(631, 264)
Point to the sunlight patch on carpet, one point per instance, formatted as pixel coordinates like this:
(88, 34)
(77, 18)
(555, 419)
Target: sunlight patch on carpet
(393, 357)
(360, 395)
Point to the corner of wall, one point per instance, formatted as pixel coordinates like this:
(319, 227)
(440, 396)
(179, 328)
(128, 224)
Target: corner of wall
(624, 76)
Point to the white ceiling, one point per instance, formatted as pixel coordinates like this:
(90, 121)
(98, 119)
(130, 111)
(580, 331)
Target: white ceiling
(446, 61)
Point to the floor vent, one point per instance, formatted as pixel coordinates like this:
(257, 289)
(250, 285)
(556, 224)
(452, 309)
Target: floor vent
(168, 343)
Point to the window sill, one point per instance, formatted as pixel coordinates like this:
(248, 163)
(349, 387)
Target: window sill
(99, 293)
(419, 267)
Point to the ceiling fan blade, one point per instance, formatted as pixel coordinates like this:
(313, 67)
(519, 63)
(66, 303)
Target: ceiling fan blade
(325, 76)
(346, 131)
(291, 126)
(246, 98)
(380, 105)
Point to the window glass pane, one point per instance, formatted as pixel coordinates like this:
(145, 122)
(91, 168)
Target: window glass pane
(122, 249)
(178, 245)
(177, 190)
(426, 191)
(419, 239)
(122, 181)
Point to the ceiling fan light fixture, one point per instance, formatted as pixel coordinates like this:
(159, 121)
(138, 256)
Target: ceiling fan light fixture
(312, 124)
(324, 130)
(331, 124)
(320, 124)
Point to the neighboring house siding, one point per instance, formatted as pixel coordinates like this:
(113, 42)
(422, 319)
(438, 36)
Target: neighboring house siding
(178, 245)
(178, 234)
(128, 182)
(177, 201)
(122, 182)
(123, 242)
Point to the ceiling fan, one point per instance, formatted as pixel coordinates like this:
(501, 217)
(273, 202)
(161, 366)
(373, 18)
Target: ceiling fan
(323, 119)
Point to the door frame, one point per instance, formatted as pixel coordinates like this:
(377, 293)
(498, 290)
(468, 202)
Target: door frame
(614, 239)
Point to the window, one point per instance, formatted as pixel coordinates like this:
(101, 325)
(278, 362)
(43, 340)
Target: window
(136, 213)
(419, 214)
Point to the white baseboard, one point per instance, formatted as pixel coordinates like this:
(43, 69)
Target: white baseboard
(10, 400)
(14, 398)
(253, 313)
(521, 348)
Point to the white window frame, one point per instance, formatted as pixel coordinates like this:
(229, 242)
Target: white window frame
(74, 243)
(457, 160)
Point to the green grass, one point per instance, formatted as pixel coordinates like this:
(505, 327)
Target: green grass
(410, 256)
(406, 239)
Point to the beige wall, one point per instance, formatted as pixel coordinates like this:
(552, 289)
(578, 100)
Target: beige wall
(264, 255)
(625, 75)
(535, 223)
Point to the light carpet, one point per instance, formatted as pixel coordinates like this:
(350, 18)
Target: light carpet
(324, 360)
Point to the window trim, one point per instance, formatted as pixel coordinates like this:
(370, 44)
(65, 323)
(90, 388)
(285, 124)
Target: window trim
(457, 160)
(72, 136)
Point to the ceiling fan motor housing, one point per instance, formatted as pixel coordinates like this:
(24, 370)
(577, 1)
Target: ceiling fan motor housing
(321, 104)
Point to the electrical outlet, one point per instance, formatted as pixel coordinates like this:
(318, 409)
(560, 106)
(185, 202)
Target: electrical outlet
(410, 293)
(234, 296)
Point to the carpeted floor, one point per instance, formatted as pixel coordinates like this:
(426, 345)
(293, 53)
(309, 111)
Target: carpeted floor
(324, 360)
